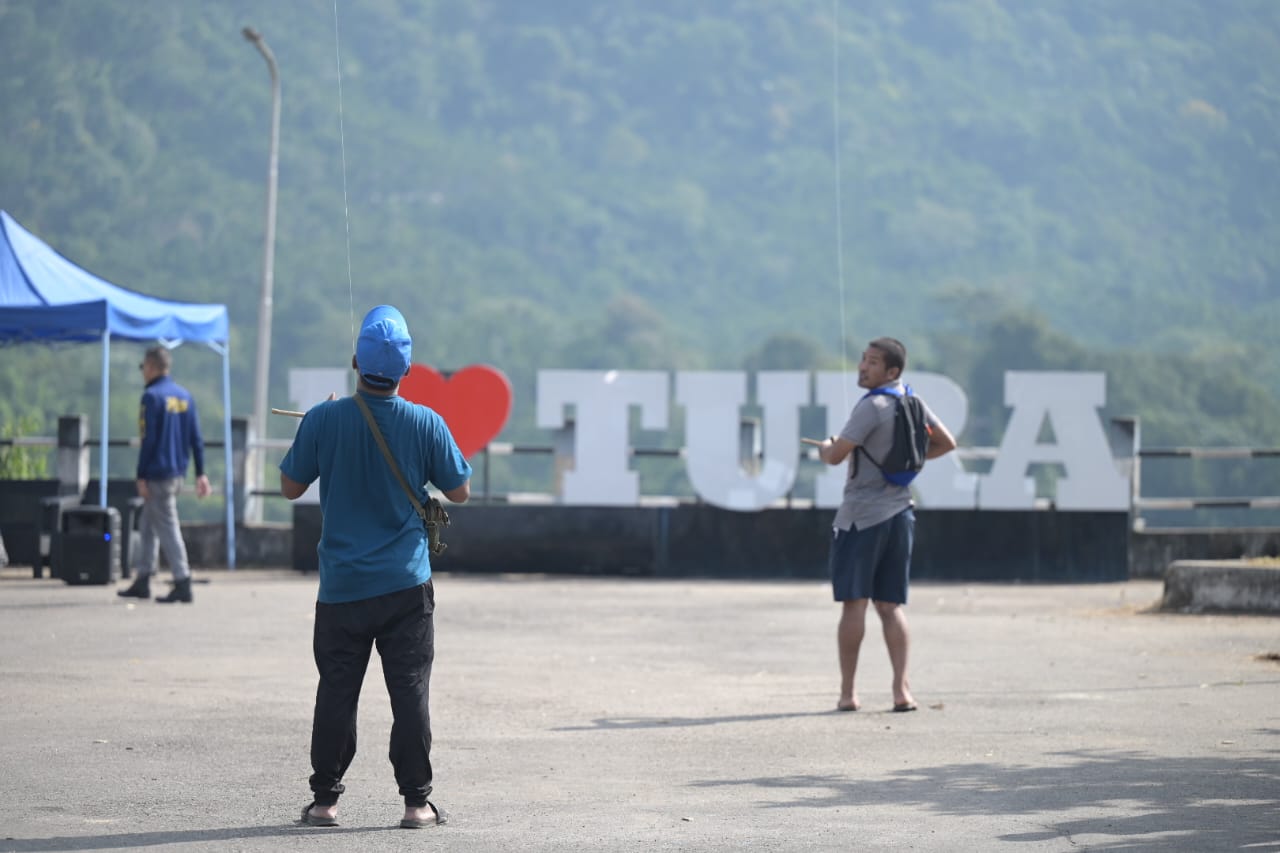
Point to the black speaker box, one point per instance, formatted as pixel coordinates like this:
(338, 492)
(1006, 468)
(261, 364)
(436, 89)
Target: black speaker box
(87, 549)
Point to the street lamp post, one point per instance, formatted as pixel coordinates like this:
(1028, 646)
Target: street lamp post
(253, 508)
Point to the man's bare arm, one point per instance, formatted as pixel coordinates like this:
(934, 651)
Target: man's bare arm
(941, 442)
(835, 450)
(291, 489)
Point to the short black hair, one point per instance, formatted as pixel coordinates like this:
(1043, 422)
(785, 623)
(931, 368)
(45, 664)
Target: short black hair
(160, 357)
(895, 352)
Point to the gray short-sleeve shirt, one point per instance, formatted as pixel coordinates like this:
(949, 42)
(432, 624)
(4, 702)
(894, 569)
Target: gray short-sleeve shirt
(869, 499)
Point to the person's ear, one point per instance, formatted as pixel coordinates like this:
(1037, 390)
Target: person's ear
(407, 369)
(354, 366)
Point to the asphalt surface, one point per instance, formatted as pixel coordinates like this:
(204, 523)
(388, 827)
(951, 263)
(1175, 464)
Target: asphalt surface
(609, 715)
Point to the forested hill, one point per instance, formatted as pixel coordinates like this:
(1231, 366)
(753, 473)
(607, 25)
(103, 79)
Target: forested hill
(653, 184)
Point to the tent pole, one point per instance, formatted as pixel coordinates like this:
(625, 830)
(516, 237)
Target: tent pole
(106, 391)
(226, 444)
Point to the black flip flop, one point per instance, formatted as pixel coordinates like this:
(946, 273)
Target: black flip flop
(438, 819)
(312, 820)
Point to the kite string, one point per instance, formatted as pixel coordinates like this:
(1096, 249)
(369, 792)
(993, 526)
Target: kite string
(835, 123)
(346, 211)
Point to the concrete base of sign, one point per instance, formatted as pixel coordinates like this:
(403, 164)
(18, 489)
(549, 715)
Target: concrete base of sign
(697, 540)
(1154, 549)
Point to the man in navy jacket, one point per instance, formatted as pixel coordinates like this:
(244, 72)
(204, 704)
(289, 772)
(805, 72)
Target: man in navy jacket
(170, 431)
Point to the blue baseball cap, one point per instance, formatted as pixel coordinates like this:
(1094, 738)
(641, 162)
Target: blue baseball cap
(384, 348)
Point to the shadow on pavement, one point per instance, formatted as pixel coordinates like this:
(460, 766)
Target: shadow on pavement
(607, 723)
(624, 723)
(1186, 803)
(135, 840)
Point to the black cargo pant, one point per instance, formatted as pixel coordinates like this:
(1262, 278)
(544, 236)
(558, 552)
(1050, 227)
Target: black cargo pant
(402, 626)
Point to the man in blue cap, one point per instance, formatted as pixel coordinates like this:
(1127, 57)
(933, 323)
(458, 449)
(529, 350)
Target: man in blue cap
(375, 569)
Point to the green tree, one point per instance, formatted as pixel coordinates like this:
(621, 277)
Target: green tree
(18, 462)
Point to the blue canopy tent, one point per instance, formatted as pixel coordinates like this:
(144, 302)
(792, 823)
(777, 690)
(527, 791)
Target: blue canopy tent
(44, 298)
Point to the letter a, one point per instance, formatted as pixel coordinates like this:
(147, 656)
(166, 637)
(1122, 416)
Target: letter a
(1070, 402)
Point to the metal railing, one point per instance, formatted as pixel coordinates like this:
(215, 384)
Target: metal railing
(969, 455)
(485, 492)
(1194, 502)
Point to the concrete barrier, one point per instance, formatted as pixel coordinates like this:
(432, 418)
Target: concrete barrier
(1152, 551)
(1221, 585)
(697, 540)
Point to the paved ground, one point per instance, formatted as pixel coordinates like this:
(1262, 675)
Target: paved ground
(603, 715)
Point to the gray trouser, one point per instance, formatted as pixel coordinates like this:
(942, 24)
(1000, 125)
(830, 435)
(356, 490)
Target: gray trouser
(159, 529)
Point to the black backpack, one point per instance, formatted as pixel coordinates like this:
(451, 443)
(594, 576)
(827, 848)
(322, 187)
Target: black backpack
(910, 437)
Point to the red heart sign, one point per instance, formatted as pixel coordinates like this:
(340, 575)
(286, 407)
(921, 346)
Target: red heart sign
(475, 401)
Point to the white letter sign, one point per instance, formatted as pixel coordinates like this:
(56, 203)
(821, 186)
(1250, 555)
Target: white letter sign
(602, 400)
(713, 412)
(1070, 402)
(596, 407)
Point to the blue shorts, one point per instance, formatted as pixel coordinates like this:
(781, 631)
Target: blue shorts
(873, 563)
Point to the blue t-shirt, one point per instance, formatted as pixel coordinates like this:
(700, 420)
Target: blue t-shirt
(372, 542)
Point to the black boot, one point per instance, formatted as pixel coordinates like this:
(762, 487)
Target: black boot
(181, 592)
(141, 588)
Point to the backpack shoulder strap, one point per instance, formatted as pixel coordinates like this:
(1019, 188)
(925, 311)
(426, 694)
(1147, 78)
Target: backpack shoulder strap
(888, 392)
(433, 514)
(386, 453)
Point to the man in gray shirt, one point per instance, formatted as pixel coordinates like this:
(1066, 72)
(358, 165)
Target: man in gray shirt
(875, 525)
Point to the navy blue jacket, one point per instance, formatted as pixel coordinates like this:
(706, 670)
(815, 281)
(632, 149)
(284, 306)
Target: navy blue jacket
(170, 431)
